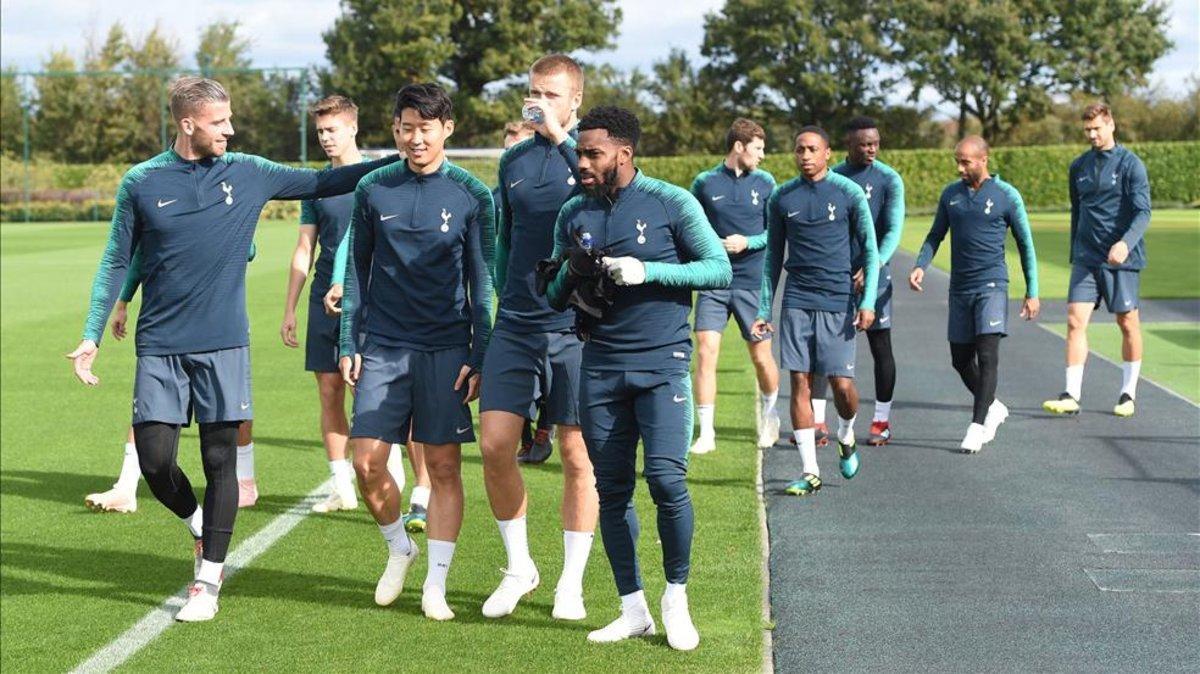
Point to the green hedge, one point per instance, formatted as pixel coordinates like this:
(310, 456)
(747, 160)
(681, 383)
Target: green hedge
(1040, 173)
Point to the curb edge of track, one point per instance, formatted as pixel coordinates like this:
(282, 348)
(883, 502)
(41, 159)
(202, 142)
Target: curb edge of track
(768, 646)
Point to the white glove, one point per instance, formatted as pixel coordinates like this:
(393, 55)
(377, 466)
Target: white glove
(626, 271)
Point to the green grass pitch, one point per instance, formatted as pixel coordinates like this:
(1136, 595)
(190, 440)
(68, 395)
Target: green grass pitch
(72, 580)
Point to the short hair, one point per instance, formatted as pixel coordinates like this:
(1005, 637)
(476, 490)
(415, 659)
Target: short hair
(428, 99)
(621, 124)
(553, 63)
(860, 123)
(813, 128)
(522, 126)
(977, 141)
(333, 105)
(743, 130)
(1095, 110)
(189, 94)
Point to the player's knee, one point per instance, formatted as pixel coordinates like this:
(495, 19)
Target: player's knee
(369, 466)
(442, 470)
(613, 494)
(577, 469)
(1076, 323)
(331, 392)
(667, 488)
(1128, 322)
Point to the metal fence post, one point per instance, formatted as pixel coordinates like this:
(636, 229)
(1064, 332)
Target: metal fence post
(303, 117)
(25, 154)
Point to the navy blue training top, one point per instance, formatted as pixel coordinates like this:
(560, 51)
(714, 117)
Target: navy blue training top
(1110, 202)
(737, 204)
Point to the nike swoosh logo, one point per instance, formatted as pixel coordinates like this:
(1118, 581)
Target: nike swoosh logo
(885, 319)
(1128, 302)
(515, 183)
(956, 202)
(162, 203)
(718, 197)
(245, 406)
(793, 213)
(992, 324)
(460, 431)
(388, 217)
(679, 399)
(849, 367)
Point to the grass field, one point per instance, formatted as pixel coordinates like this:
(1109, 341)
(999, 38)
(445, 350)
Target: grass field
(71, 580)
(1172, 356)
(1172, 244)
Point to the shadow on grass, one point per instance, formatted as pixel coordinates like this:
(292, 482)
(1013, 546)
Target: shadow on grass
(68, 488)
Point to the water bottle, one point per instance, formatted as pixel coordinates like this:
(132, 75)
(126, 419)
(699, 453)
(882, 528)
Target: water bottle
(532, 113)
(585, 241)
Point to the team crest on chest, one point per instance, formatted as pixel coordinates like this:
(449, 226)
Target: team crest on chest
(832, 209)
(987, 207)
(228, 192)
(641, 228)
(1115, 175)
(868, 190)
(446, 215)
(754, 197)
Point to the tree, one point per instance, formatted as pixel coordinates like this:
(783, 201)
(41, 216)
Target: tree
(814, 61)
(159, 53)
(1000, 61)
(12, 102)
(377, 46)
(690, 118)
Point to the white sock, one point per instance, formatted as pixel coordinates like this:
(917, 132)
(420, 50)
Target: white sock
(419, 496)
(1075, 381)
(195, 522)
(1129, 377)
(706, 413)
(845, 431)
(395, 537)
(341, 469)
(768, 403)
(130, 470)
(395, 465)
(515, 535)
(440, 555)
(882, 410)
(634, 603)
(245, 462)
(210, 572)
(806, 440)
(818, 405)
(675, 591)
(577, 546)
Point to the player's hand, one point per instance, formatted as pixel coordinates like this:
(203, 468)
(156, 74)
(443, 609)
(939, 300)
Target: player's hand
(120, 317)
(288, 330)
(82, 359)
(860, 280)
(1030, 308)
(734, 243)
(915, 277)
(761, 328)
(467, 375)
(550, 128)
(626, 271)
(333, 299)
(864, 319)
(1118, 253)
(351, 367)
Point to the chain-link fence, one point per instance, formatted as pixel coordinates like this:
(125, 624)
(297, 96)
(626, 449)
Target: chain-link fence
(67, 137)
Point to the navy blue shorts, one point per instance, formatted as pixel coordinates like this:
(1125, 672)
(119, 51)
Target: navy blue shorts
(401, 388)
(817, 342)
(714, 307)
(321, 339)
(523, 369)
(1117, 287)
(883, 302)
(210, 386)
(974, 314)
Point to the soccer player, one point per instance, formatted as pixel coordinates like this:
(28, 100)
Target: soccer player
(813, 217)
(421, 239)
(658, 248)
(885, 197)
(1110, 212)
(978, 211)
(192, 212)
(533, 355)
(325, 222)
(536, 446)
(734, 195)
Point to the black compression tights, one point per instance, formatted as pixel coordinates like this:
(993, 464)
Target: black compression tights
(880, 342)
(158, 447)
(977, 363)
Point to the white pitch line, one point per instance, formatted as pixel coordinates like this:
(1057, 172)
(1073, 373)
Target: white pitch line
(160, 618)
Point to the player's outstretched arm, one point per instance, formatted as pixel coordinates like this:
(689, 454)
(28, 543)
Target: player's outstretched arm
(287, 182)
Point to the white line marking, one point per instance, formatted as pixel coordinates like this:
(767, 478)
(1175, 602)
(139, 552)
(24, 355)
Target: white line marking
(768, 665)
(159, 619)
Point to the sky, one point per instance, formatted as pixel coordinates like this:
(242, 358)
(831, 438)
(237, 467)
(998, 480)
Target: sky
(288, 32)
